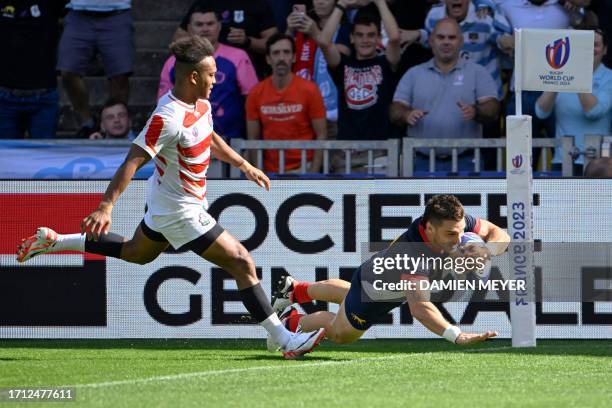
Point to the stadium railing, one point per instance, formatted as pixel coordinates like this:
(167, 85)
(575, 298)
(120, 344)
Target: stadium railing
(397, 165)
(410, 145)
(390, 146)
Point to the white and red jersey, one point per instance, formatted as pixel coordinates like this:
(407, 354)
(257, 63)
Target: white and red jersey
(178, 137)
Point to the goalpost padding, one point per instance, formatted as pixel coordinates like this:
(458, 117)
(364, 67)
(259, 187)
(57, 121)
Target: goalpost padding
(519, 176)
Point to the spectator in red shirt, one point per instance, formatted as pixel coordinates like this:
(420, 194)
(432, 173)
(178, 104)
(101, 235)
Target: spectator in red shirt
(286, 107)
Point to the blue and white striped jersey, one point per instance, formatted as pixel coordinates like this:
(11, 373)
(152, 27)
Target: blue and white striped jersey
(480, 38)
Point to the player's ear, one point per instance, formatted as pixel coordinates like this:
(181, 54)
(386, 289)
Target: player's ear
(429, 227)
(194, 77)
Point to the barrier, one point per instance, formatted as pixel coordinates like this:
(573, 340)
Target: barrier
(99, 159)
(410, 145)
(391, 147)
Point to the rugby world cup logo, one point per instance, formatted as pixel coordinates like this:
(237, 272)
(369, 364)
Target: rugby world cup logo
(517, 161)
(558, 53)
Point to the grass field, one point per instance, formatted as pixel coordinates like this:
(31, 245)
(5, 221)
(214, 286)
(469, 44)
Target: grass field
(411, 373)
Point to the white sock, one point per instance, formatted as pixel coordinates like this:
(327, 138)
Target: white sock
(276, 329)
(70, 242)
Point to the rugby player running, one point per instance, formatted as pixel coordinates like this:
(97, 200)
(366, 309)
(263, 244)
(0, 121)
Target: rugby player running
(179, 137)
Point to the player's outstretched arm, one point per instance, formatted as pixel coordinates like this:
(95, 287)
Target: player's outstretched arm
(225, 153)
(466, 339)
(429, 315)
(99, 221)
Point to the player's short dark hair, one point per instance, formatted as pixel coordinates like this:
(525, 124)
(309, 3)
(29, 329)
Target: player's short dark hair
(366, 17)
(441, 208)
(191, 50)
(274, 38)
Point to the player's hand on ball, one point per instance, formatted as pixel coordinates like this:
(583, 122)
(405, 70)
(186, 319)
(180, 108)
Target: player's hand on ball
(96, 223)
(475, 251)
(466, 339)
(255, 175)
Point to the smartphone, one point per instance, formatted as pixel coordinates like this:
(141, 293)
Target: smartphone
(299, 8)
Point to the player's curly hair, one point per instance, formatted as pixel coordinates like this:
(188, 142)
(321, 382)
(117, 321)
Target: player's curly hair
(191, 50)
(441, 208)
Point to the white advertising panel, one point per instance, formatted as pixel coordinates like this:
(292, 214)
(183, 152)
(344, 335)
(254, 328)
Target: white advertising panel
(313, 229)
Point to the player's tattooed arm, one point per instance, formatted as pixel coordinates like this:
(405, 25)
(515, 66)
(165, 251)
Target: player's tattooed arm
(99, 221)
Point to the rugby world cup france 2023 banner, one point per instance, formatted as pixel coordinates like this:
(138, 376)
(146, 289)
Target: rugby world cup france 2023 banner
(556, 60)
(313, 229)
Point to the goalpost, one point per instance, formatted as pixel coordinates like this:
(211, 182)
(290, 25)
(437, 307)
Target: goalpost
(545, 60)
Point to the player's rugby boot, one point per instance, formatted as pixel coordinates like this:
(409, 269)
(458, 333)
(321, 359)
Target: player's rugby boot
(289, 311)
(302, 343)
(39, 243)
(283, 295)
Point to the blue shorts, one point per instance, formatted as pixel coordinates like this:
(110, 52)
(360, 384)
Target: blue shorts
(361, 312)
(86, 34)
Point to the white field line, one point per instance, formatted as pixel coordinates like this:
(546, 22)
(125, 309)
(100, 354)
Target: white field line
(211, 373)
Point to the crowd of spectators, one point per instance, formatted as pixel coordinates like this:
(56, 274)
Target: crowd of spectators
(349, 70)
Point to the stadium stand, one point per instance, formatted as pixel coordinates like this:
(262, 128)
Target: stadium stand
(154, 25)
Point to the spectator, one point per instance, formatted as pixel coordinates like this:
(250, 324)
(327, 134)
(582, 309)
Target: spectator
(584, 113)
(366, 79)
(545, 14)
(235, 74)
(445, 97)
(115, 122)
(285, 107)
(310, 62)
(522, 12)
(245, 24)
(600, 167)
(282, 8)
(603, 11)
(29, 101)
(548, 14)
(91, 27)
(485, 39)
(483, 36)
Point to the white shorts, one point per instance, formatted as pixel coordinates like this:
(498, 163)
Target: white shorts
(183, 228)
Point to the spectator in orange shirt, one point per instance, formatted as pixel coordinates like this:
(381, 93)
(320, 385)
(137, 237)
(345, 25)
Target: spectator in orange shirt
(286, 107)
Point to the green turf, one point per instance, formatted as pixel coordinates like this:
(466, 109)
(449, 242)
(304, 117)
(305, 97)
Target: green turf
(411, 373)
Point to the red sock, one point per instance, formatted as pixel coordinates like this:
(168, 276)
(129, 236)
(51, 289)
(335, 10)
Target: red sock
(300, 292)
(292, 321)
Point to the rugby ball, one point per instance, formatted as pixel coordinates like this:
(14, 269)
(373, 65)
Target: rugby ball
(469, 237)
